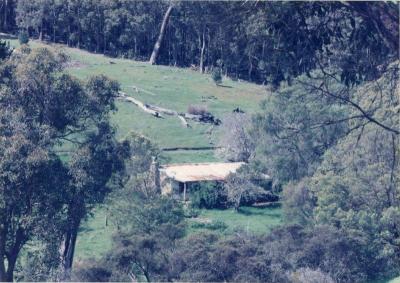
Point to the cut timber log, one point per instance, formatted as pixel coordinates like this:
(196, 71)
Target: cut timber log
(161, 110)
(206, 118)
(192, 117)
(183, 117)
(184, 122)
(140, 105)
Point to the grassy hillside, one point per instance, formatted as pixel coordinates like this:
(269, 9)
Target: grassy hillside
(173, 88)
(169, 87)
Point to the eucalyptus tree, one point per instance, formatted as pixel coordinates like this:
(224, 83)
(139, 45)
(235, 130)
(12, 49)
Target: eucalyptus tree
(7, 15)
(44, 108)
(160, 38)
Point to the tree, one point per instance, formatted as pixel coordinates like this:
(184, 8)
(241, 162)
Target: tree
(299, 202)
(355, 189)
(30, 172)
(264, 42)
(7, 15)
(295, 128)
(243, 188)
(23, 37)
(141, 250)
(138, 181)
(207, 195)
(92, 167)
(41, 108)
(148, 224)
(5, 51)
(236, 142)
(216, 76)
(144, 249)
(31, 15)
(157, 45)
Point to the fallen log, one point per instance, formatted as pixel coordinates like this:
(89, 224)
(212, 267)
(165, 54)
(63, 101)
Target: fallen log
(162, 110)
(206, 118)
(183, 117)
(140, 105)
(184, 122)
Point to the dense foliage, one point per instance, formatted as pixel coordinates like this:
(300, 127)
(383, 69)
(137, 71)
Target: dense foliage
(254, 40)
(207, 195)
(42, 108)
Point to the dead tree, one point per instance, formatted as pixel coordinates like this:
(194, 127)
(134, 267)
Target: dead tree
(157, 46)
(203, 46)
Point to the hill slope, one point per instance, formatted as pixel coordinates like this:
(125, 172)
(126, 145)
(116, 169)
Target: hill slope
(169, 87)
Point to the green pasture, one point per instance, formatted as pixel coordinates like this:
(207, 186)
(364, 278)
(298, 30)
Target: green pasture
(168, 87)
(95, 237)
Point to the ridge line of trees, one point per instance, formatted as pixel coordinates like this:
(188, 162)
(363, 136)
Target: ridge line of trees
(263, 42)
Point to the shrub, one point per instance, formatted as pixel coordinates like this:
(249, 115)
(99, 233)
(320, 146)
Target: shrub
(191, 212)
(198, 110)
(207, 195)
(307, 275)
(214, 225)
(217, 76)
(5, 50)
(23, 37)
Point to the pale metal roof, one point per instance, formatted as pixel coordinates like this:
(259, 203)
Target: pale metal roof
(195, 172)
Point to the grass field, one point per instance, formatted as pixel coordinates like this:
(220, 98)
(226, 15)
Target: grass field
(250, 219)
(173, 88)
(95, 237)
(169, 87)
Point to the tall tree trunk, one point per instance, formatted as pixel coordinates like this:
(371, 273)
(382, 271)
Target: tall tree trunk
(250, 71)
(3, 227)
(135, 52)
(203, 47)
(10, 256)
(105, 43)
(2, 262)
(68, 248)
(12, 260)
(6, 274)
(54, 27)
(157, 46)
(41, 31)
(5, 24)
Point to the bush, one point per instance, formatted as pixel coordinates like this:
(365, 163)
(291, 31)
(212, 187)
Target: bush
(258, 195)
(198, 110)
(207, 195)
(214, 225)
(217, 76)
(307, 275)
(23, 37)
(5, 50)
(191, 212)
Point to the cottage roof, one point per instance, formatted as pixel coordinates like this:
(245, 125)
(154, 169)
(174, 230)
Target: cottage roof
(194, 172)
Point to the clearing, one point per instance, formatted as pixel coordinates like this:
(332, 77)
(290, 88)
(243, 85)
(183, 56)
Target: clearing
(167, 87)
(176, 89)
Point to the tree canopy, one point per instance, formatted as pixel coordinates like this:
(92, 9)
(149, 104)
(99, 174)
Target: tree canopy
(43, 109)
